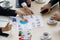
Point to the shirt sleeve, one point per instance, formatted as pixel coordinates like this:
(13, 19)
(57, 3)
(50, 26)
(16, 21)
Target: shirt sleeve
(53, 2)
(23, 4)
(7, 12)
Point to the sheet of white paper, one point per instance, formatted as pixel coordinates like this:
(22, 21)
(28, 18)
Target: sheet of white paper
(33, 22)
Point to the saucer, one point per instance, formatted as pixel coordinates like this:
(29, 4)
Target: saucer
(52, 21)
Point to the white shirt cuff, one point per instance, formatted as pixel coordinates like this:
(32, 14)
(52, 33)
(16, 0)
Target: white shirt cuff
(24, 4)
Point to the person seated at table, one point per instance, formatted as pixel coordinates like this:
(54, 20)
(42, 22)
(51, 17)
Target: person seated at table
(25, 4)
(49, 5)
(8, 12)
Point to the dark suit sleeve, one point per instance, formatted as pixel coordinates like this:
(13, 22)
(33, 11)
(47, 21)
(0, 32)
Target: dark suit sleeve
(7, 12)
(53, 2)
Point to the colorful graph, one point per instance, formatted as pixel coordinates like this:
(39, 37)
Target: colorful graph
(23, 21)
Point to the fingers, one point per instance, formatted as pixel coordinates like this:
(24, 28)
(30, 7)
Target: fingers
(20, 14)
(54, 16)
(28, 12)
(43, 8)
(46, 7)
(32, 12)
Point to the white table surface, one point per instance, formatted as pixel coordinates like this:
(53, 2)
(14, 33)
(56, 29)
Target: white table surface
(4, 21)
(3, 24)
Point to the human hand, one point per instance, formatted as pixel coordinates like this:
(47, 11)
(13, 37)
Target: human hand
(47, 6)
(28, 11)
(56, 16)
